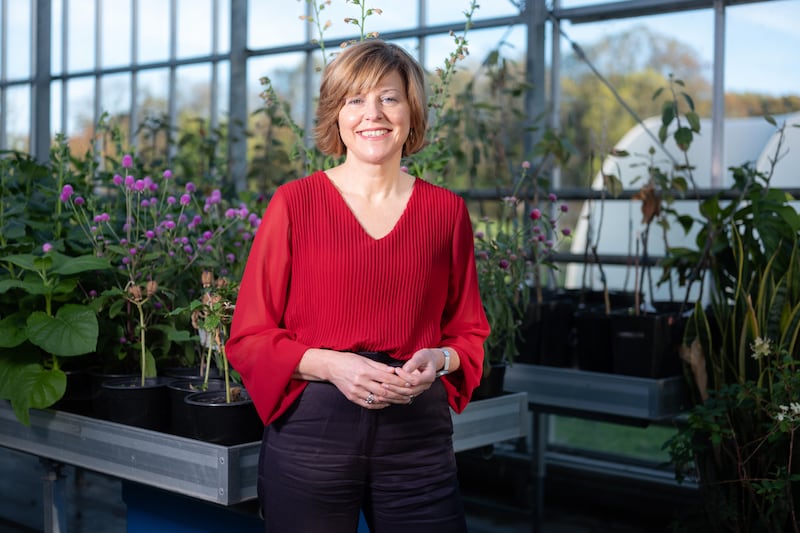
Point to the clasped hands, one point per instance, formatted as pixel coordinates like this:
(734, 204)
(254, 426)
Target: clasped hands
(375, 385)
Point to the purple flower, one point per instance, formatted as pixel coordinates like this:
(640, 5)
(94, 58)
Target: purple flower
(230, 213)
(66, 193)
(504, 264)
(79, 200)
(149, 234)
(526, 165)
(117, 180)
(564, 208)
(536, 214)
(127, 161)
(170, 225)
(190, 187)
(171, 200)
(132, 251)
(139, 186)
(102, 217)
(208, 234)
(187, 249)
(123, 340)
(129, 181)
(167, 174)
(552, 197)
(230, 257)
(92, 293)
(483, 255)
(185, 198)
(46, 247)
(479, 235)
(566, 231)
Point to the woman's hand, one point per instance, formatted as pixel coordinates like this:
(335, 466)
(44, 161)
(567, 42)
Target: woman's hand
(365, 382)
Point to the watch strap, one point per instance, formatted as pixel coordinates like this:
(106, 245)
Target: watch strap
(446, 368)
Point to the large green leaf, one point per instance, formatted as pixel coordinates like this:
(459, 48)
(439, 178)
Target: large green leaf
(73, 331)
(65, 266)
(29, 385)
(13, 331)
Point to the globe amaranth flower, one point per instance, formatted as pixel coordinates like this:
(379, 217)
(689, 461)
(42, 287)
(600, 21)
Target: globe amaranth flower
(46, 247)
(66, 193)
(185, 199)
(536, 214)
(127, 161)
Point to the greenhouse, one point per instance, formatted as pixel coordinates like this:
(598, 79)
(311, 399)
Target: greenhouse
(573, 225)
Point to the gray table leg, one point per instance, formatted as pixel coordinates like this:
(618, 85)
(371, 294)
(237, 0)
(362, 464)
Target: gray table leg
(539, 432)
(53, 498)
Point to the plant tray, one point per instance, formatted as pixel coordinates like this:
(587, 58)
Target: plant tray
(222, 474)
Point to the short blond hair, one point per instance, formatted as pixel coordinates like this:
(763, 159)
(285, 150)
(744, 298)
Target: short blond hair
(360, 67)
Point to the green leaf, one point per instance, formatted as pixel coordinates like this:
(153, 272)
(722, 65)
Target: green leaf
(694, 121)
(73, 331)
(65, 266)
(667, 113)
(12, 331)
(771, 120)
(28, 385)
(657, 93)
(683, 138)
(24, 261)
(689, 101)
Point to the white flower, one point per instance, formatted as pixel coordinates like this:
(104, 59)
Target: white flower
(761, 348)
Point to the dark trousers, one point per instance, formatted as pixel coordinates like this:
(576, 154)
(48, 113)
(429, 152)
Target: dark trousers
(326, 459)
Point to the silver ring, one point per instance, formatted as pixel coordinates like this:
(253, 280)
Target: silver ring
(370, 398)
(410, 398)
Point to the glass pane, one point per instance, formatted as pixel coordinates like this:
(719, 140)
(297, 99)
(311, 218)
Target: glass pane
(154, 31)
(223, 19)
(56, 33)
(80, 114)
(152, 91)
(268, 27)
(116, 95)
(18, 30)
(193, 91)
(56, 124)
(116, 33)
(442, 12)
(286, 72)
(194, 28)
(223, 77)
(393, 17)
(643, 443)
(18, 115)
(80, 35)
(771, 68)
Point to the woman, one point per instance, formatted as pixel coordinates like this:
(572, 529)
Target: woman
(359, 322)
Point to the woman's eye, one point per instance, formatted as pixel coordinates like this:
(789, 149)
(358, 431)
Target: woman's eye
(353, 101)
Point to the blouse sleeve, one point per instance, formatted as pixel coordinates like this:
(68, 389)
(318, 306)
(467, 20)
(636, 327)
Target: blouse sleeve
(464, 323)
(260, 348)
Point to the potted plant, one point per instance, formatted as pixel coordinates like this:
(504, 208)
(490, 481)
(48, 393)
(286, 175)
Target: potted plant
(646, 337)
(223, 414)
(510, 250)
(157, 233)
(48, 319)
(741, 356)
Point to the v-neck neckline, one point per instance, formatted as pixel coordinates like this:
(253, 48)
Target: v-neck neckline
(355, 219)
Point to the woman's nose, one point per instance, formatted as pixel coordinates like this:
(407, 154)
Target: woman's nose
(374, 109)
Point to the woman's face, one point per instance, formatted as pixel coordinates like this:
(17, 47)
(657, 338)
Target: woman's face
(374, 125)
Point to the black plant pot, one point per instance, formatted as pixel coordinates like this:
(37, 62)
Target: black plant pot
(491, 384)
(98, 377)
(546, 333)
(77, 397)
(213, 420)
(129, 402)
(593, 346)
(181, 414)
(647, 345)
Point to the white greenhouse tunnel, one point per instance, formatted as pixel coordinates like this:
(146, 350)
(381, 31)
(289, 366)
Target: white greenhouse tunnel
(751, 139)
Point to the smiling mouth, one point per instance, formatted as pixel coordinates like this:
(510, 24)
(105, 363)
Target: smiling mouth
(373, 133)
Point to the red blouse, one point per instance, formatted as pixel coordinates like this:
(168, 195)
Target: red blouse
(316, 279)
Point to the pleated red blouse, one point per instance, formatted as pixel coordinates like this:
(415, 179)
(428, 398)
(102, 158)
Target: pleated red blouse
(316, 279)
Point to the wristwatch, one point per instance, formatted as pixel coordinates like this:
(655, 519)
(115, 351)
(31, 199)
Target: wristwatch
(446, 368)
